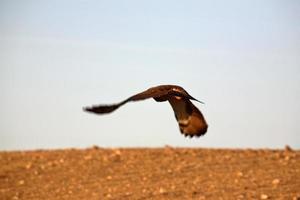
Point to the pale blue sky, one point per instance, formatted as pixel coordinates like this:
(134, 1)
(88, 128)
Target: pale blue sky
(240, 57)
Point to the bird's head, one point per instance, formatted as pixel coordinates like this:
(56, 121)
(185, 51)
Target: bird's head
(180, 93)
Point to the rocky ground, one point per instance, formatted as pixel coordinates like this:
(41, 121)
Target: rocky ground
(145, 173)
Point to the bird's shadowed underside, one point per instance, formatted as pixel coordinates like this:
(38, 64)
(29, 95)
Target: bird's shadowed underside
(190, 120)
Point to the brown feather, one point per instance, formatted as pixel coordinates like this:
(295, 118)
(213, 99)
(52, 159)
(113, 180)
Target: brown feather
(190, 120)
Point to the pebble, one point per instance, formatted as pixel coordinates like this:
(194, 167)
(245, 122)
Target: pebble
(287, 158)
(162, 190)
(239, 174)
(117, 152)
(88, 157)
(108, 196)
(275, 181)
(21, 182)
(95, 147)
(28, 166)
(128, 193)
(287, 148)
(264, 196)
(50, 164)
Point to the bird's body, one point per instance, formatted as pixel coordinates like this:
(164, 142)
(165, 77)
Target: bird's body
(190, 119)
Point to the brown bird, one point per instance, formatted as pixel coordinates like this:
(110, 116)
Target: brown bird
(190, 119)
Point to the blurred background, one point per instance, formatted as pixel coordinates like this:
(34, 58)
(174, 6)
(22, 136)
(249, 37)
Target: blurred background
(242, 58)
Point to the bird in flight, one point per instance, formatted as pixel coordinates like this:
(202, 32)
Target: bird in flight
(190, 120)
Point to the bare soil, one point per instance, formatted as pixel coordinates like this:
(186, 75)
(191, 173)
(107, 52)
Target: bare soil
(145, 173)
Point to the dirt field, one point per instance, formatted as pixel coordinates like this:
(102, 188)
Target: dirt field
(162, 173)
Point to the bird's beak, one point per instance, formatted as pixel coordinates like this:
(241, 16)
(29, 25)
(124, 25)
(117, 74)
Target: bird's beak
(196, 99)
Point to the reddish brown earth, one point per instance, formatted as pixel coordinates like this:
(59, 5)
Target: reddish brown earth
(145, 173)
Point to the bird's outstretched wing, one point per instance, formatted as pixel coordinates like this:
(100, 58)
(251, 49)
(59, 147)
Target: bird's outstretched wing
(190, 120)
(154, 92)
